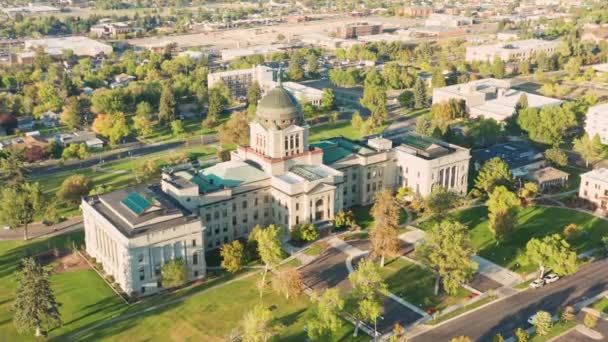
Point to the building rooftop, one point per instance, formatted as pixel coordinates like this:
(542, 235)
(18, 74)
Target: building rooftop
(600, 174)
(547, 174)
(526, 44)
(421, 146)
(504, 105)
(228, 174)
(80, 45)
(338, 148)
(139, 210)
(515, 154)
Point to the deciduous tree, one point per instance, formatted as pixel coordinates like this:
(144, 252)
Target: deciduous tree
(20, 203)
(590, 149)
(324, 317)
(542, 323)
(440, 202)
(503, 206)
(556, 156)
(448, 249)
(384, 238)
(233, 256)
(35, 305)
(74, 188)
(235, 130)
(368, 288)
(551, 252)
(174, 273)
(493, 173)
(269, 247)
(288, 282)
(259, 325)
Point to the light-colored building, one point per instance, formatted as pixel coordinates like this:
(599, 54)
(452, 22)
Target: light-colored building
(31, 9)
(133, 232)
(596, 35)
(280, 178)
(594, 188)
(507, 36)
(597, 122)
(511, 51)
(445, 20)
(230, 54)
(490, 98)
(416, 11)
(357, 29)
(81, 46)
(110, 29)
(238, 81)
(303, 93)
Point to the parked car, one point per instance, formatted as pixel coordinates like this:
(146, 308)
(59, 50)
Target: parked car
(532, 318)
(551, 278)
(537, 283)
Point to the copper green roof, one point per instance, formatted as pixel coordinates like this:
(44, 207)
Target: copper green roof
(338, 148)
(279, 108)
(229, 174)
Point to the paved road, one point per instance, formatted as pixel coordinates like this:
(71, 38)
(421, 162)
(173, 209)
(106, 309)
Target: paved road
(135, 151)
(507, 315)
(329, 271)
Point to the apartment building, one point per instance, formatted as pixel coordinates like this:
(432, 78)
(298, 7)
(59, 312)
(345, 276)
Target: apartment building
(354, 30)
(490, 98)
(110, 29)
(238, 81)
(594, 188)
(511, 51)
(133, 232)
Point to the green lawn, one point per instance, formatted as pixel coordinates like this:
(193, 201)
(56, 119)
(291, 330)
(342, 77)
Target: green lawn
(365, 220)
(117, 173)
(340, 128)
(557, 329)
(316, 248)
(460, 311)
(416, 285)
(211, 316)
(84, 296)
(601, 305)
(532, 222)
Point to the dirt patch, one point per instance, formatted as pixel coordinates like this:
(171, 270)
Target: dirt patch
(70, 263)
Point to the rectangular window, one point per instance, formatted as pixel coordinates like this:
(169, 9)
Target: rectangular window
(245, 218)
(140, 258)
(255, 215)
(234, 220)
(265, 198)
(297, 206)
(224, 212)
(194, 258)
(244, 204)
(216, 215)
(142, 273)
(255, 201)
(193, 242)
(208, 217)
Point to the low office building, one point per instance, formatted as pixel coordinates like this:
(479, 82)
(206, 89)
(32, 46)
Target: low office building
(521, 158)
(415, 11)
(511, 51)
(134, 232)
(594, 188)
(81, 46)
(445, 20)
(110, 29)
(354, 30)
(490, 98)
(30, 10)
(597, 122)
(238, 81)
(549, 177)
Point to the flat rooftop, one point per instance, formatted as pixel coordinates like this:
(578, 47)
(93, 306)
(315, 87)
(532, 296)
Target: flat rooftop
(338, 148)
(526, 44)
(600, 174)
(139, 210)
(515, 154)
(228, 174)
(421, 146)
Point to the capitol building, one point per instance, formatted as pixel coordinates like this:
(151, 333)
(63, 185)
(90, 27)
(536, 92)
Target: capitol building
(280, 178)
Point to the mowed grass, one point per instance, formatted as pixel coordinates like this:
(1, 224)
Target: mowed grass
(532, 222)
(212, 316)
(84, 296)
(341, 128)
(115, 174)
(601, 305)
(416, 285)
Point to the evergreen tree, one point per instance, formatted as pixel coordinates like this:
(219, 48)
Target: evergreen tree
(166, 109)
(384, 237)
(498, 68)
(35, 305)
(437, 79)
(590, 149)
(420, 94)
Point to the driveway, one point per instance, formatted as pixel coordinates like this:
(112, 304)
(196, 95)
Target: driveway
(329, 271)
(511, 313)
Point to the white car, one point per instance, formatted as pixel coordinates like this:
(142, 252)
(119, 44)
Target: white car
(551, 278)
(531, 319)
(537, 283)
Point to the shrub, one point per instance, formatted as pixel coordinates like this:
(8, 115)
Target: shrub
(304, 232)
(570, 231)
(521, 335)
(590, 320)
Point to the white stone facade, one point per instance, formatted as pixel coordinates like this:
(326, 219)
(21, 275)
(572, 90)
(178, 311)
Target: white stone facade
(597, 122)
(511, 51)
(594, 188)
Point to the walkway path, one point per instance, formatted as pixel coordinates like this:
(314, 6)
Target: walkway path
(496, 272)
(37, 230)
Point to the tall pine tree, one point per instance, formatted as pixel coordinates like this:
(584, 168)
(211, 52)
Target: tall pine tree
(420, 96)
(166, 110)
(35, 305)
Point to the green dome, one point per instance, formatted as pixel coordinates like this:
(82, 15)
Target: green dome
(279, 108)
